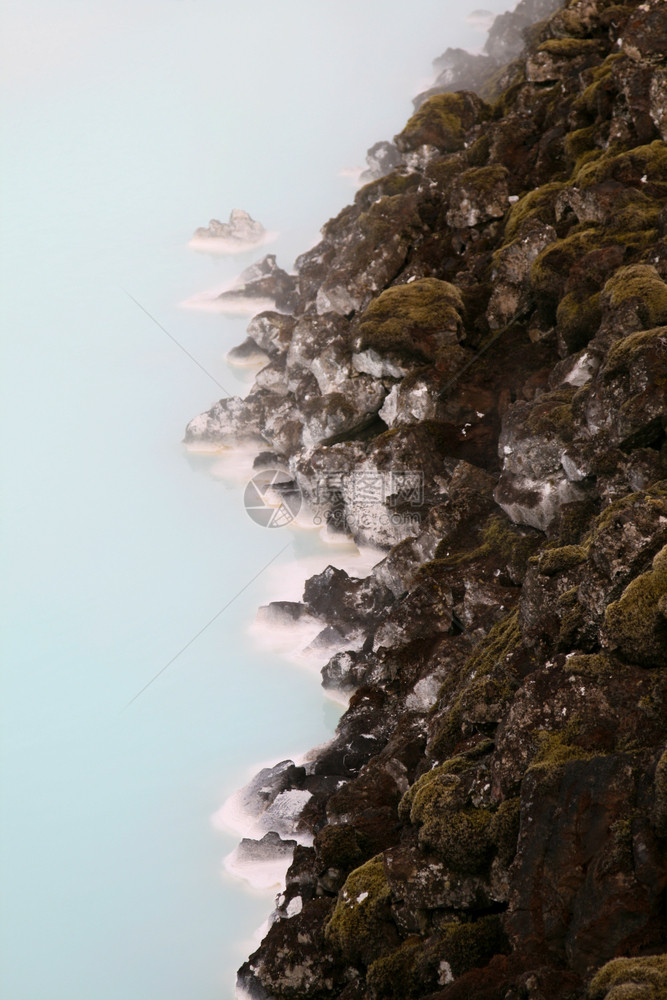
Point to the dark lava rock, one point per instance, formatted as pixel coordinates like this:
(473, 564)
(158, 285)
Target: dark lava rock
(473, 379)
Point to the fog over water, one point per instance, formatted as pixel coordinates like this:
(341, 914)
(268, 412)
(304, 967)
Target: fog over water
(125, 126)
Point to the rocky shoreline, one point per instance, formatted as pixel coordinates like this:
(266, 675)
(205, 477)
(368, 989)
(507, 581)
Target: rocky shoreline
(469, 372)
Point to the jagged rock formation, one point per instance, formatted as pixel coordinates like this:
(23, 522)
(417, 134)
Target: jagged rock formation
(241, 229)
(460, 70)
(490, 820)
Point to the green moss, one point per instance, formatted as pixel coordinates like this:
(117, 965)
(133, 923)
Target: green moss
(581, 142)
(417, 966)
(551, 416)
(618, 855)
(538, 204)
(459, 835)
(395, 183)
(357, 928)
(636, 624)
(600, 79)
(660, 786)
(504, 829)
(566, 557)
(578, 318)
(502, 87)
(635, 213)
(551, 268)
(485, 684)
(596, 666)
(393, 977)
(442, 121)
(574, 520)
(412, 318)
(340, 847)
(570, 48)
(649, 162)
(501, 540)
(483, 180)
(556, 748)
(631, 979)
(439, 776)
(641, 283)
(471, 945)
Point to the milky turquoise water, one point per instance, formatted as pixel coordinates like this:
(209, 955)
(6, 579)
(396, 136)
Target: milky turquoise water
(124, 127)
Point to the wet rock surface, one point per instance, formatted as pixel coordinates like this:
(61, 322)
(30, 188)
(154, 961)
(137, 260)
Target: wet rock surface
(473, 378)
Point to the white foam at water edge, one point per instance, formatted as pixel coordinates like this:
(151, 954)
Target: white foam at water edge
(287, 640)
(237, 306)
(285, 582)
(233, 817)
(219, 245)
(352, 174)
(234, 465)
(260, 875)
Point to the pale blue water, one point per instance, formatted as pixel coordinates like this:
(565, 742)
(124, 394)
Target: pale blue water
(125, 126)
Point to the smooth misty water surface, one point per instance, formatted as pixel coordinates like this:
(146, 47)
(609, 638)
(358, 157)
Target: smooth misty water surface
(125, 126)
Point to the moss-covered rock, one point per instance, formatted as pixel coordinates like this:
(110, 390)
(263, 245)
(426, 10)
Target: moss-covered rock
(570, 48)
(578, 318)
(341, 847)
(640, 166)
(508, 545)
(641, 285)
(422, 966)
(394, 976)
(442, 121)
(417, 319)
(361, 928)
(459, 834)
(537, 204)
(478, 195)
(554, 749)
(636, 624)
(631, 979)
(566, 557)
(504, 829)
(476, 698)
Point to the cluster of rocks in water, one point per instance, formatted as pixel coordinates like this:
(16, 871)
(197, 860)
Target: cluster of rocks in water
(241, 229)
(490, 820)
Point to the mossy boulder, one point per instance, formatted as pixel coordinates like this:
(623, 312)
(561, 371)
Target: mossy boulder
(422, 966)
(570, 48)
(340, 847)
(631, 979)
(504, 829)
(577, 319)
(642, 167)
(551, 270)
(478, 195)
(539, 204)
(457, 833)
(474, 700)
(419, 319)
(558, 560)
(640, 286)
(395, 977)
(636, 624)
(361, 928)
(442, 121)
